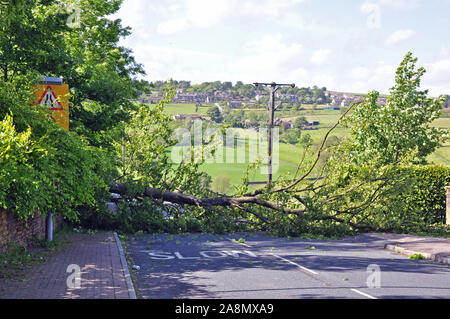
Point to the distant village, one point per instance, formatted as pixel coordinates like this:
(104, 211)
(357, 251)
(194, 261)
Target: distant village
(249, 97)
(235, 101)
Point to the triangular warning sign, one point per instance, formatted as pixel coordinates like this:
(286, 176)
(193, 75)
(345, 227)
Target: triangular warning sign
(50, 99)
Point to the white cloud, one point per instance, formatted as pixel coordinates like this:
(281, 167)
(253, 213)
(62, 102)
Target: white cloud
(207, 13)
(359, 73)
(267, 8)
(196, 13)
(401, 4)
(373, 12)
(323, 80)
(162, 63)
(368, 7)
(445, 50)
(291, 51)
(319, 57)
(270, 58)
(399, 36)
(363, 79)
(383, 77)
(436, 79)
(172, 26)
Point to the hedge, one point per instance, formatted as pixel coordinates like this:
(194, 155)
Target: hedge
(428, 195)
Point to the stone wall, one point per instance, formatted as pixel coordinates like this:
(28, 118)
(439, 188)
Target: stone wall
(14, 231)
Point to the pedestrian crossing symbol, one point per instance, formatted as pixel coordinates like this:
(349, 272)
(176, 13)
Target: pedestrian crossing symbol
(54, 97)
(50, 100)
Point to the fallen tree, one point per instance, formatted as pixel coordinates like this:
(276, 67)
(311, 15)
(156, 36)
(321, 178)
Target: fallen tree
(355, 183)
(307, 193)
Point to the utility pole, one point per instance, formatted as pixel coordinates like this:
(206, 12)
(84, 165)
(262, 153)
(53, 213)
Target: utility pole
(274, 87)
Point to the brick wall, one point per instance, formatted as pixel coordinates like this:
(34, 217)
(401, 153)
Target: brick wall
(16, 231)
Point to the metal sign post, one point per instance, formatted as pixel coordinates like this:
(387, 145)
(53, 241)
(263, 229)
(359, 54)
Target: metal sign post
(53, 94)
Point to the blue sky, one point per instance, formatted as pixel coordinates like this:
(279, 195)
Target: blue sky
(345, 45)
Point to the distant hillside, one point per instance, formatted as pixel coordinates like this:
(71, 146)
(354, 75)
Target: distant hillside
(240, 95)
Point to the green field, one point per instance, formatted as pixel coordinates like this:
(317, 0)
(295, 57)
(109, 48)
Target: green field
(287, 159)
(290, 155)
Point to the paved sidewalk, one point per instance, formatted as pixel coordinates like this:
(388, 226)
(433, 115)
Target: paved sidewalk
(435, 249)
(102, 273)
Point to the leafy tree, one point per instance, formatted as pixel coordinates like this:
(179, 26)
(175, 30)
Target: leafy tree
(35, 38)
(306, 140)
(28, 40)
(400, 128)
(214, 114)
(60, 171)
(57, 172)
(300, 122)
(227, 85)
(102, 73)
(291, 136)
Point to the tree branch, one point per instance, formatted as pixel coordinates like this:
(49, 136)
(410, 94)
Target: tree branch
(223, 201)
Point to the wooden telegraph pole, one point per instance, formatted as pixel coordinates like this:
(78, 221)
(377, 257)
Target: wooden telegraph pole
(274, 87)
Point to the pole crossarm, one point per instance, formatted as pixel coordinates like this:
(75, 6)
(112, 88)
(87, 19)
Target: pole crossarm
(273, 84)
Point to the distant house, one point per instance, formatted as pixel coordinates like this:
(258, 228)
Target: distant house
(382, 101)
(287, 125)
(345, 103)
(179, 117)
(337, 100)
(289, 98)
(235, 104)
(447, 102)
(190, 98)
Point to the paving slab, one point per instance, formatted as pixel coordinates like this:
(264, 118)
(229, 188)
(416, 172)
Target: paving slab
(101, 276)
(432, 248)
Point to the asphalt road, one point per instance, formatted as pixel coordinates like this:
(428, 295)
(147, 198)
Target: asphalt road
(199, 266)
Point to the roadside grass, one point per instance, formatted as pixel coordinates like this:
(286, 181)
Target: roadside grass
(130, 262)
(239, 241)
(417, 257)
(18, 258)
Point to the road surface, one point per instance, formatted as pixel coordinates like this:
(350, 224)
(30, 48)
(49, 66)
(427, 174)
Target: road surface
(258, 266)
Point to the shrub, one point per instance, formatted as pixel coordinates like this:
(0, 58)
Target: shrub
(57, 172)
(427, 200)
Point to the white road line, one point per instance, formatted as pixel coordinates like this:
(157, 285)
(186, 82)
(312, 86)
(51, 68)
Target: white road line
(308, 270)
(363, 294)
(295, 264)
(284, 259)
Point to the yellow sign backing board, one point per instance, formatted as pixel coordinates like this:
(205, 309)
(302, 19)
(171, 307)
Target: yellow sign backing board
(56, 98)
